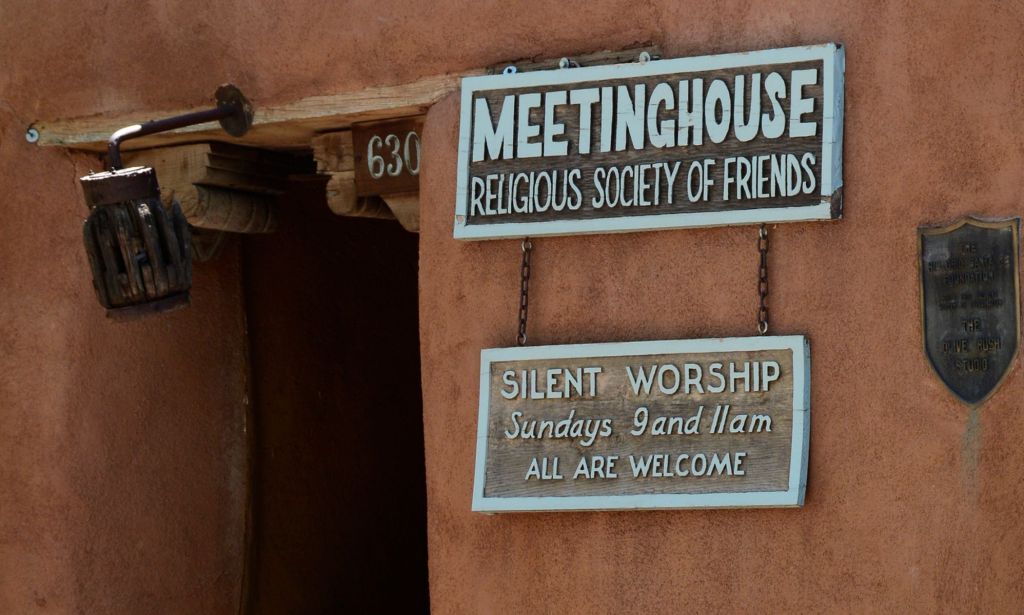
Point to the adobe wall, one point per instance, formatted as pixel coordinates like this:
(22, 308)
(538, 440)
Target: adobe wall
(912, 500)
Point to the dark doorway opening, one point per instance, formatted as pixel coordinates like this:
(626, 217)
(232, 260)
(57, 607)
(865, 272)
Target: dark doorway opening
(339, 498)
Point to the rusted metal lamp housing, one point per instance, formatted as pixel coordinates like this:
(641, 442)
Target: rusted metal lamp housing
(139, 249)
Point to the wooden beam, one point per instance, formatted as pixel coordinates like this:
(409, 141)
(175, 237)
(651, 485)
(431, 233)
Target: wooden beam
(206, 244)
(335, 157)
(292, 125)
(221, 186)
(406, 208)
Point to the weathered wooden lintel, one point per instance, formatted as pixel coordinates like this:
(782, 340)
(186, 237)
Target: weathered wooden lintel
(292, 125)
(334, 155)
(220, 186)
(286, 126)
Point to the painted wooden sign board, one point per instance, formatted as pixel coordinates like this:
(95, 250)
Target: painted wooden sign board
(970, 303)
(741, 138)
(705, 423)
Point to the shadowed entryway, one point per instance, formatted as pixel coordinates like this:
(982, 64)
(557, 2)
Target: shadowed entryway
(339, 514)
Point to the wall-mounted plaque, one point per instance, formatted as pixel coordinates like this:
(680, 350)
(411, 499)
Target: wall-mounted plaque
(970, 303)
(387, 156)
(741, 138)
(707, 423)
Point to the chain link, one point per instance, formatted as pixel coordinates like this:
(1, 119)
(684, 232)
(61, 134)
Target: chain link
(524, 291)
(762, 280)
(762, 285)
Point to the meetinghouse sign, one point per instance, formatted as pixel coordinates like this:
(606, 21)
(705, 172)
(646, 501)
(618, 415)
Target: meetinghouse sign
(739, 138)
(702, 423)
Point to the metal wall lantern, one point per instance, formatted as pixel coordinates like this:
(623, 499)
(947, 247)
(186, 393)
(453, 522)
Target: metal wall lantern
(139, 249)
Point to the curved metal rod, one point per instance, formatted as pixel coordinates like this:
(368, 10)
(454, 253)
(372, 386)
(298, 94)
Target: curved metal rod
(179, 121)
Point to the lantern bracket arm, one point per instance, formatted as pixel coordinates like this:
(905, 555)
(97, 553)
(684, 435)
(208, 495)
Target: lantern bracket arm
(233, 111)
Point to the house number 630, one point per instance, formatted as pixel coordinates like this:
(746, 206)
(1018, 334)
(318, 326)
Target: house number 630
(402, 154)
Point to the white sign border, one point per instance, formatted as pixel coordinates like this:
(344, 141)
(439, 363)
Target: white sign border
(833, 56)
(792, 497)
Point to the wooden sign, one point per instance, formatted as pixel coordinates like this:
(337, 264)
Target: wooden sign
(970, 303)
(387, 156)
(707, 423)
(731, 139)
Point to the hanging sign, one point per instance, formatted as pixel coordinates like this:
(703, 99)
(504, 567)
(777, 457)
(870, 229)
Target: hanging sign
(707, 423)
(387, 156)
(730, 139)
(970, 303)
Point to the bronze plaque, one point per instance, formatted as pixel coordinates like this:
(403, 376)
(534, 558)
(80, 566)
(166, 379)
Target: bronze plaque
(970, 303)
(387, 156)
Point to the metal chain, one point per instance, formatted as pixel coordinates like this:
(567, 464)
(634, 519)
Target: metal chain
(524, 291)
(762, 280)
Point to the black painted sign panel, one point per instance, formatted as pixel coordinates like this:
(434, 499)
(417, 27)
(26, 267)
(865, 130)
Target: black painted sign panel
(970, 303)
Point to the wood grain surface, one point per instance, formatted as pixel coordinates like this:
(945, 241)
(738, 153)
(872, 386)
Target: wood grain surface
(767, 461)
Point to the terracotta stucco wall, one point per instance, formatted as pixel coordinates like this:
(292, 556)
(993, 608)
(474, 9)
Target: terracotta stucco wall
(121, 445)
(912, 500)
